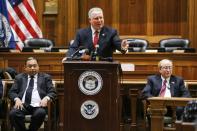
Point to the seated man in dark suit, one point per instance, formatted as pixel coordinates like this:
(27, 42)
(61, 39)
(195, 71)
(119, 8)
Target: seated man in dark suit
(165, 84)
(104, 38)
(11, 71)
(31, 92)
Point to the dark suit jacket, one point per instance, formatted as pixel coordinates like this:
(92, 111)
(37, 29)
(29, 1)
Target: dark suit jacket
(154, 84)
(1, 88)
(45, 86)
(108, 41)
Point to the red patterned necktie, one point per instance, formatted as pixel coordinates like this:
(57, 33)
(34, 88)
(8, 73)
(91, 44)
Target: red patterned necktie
(96, 38)
(163, 89)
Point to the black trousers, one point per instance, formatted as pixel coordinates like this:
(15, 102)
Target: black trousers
(17, 117)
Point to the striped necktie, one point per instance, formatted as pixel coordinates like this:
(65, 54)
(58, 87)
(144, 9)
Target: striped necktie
(163, 89)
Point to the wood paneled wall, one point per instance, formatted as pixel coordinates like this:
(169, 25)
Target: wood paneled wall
(169, 16)
(193, 22)
(133, 17)
(149, 19)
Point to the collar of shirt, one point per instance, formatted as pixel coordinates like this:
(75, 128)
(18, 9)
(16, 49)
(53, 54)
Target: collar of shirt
(167, 92)
(93, 31)
(35, 100)
(167, 79)
(35, 76)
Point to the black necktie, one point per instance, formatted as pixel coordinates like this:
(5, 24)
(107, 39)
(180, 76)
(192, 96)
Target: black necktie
(29, 91)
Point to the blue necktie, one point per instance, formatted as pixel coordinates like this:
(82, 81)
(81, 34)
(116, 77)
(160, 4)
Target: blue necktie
(29, 91)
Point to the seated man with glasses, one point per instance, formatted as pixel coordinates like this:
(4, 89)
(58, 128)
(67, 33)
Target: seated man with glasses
(165, 84)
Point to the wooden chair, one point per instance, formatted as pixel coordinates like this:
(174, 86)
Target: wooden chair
(47, 120)
(50, 119)
(7, 75)
(41, 43)
(171, 44)
(4, 120)
(167, 120)
(137, 44)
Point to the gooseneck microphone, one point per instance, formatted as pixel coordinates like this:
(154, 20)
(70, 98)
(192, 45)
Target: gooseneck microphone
(75, 53)
(84, 51)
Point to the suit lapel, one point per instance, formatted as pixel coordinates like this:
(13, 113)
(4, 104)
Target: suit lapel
(102, 37)
(39, 82)
(159, 82)
(25, 80)
(89, 38)
(172, 84)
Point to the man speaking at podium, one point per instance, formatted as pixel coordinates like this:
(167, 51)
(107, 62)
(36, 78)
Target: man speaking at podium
(97, 38)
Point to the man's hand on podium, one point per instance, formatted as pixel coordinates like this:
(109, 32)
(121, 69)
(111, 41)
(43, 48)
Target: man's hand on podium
(85, 57)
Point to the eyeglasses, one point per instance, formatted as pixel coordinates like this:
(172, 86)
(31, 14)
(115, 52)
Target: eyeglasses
(166, 67)
(33, 65)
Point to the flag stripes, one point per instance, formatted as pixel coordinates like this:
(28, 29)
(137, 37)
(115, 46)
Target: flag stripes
(23, 21)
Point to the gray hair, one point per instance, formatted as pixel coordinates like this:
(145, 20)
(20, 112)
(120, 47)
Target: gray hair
(92, 10)
(164, 61)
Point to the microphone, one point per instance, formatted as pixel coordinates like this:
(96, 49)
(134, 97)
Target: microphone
(94, 54)
(82, 51)
(74, 54)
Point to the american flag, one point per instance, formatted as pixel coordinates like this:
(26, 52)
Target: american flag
(23, 21)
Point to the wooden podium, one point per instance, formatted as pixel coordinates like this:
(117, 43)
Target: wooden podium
(91, 96)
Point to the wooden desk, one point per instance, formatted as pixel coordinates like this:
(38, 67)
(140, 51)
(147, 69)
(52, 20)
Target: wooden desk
(185, 64)
(130, 96)
(49, 62)
(158, 109)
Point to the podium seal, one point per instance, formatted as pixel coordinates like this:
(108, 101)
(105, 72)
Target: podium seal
(90, 82)
(89, 109)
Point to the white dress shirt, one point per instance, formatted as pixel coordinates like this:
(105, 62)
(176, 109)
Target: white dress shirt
(167, 91)
(93, 33)
(35, 99)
